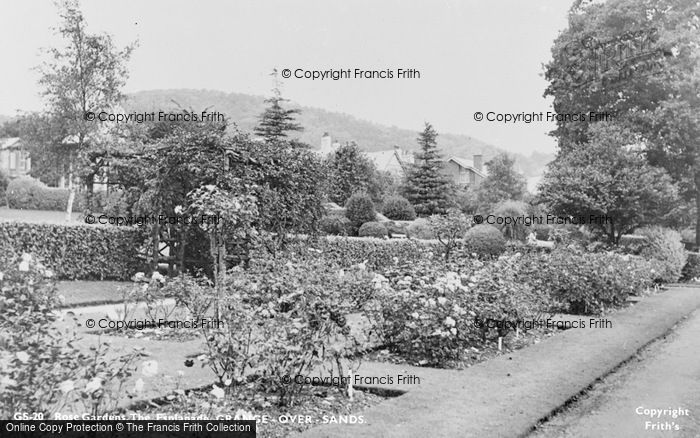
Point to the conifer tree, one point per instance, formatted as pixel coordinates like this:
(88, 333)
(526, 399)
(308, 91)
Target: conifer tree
(276, 121)
(427, 186)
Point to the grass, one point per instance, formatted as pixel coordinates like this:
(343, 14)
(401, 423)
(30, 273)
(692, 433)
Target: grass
(38, 216)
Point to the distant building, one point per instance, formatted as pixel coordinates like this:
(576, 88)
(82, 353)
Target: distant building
(328, 146)
(14, 158)
(464, 172)
(394, 161)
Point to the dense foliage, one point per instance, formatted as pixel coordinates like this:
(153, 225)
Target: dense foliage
(398, 208)
(604, 179)
(426, 185)
(359, 208)
(31, 194)
(664, 246)
(42, 370)
(373, 229)
(350, 171)
(79, 252)
(484, 241)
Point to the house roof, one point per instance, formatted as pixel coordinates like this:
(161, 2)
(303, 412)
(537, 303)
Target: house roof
(468, 164)
(390, 160)
(10, 143)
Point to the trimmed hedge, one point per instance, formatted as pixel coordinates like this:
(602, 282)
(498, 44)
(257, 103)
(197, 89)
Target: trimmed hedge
(335, 225)
(484, 240)
(31, 194)
(398, 208)
(74, 252)
(378, 253)
(373, 229)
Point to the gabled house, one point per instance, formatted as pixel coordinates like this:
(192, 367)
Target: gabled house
(14, 157)
(464, 172)
(394, 161)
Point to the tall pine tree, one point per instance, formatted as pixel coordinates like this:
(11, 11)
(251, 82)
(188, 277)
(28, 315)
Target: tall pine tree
(427, 186)
(276, 121)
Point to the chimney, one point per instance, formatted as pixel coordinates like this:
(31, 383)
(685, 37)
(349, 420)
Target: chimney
(478, 163)
(325, 143)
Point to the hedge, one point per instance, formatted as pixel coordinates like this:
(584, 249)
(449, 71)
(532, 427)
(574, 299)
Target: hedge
(75, 252)
(378, 253)
(29, 193)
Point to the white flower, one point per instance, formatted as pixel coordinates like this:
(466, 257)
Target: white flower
(453, 331)
(217, 392)
(23, 266)
(178, 209)
(431, 302)
(6, 381)
(415, 315)
(149, 368)
(138, 385)
(93, 385)
(228, 382)
(157, 276)
(66, 386)
(26, 257)
(47, 273)
(2, 276)
(450, 322)
(22, 356)
(442, 300)
(139, 276)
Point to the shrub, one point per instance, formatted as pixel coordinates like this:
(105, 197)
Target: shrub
(512, 209)
(420, 229)
(691, 270)
(449, 229)
(664, 245)
(434, 318)
(373, 229)
(32, 194)
(281, 318)
(41, 370)
(360, 209)
(4, 182)
(76, 251)
(374, 253)
(398, 208)
(484, 240)
(336, 225)
(586, 283)
(397, 228)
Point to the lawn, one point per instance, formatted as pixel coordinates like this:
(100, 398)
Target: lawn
(38, 216)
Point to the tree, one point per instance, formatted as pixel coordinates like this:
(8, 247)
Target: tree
(426, 184)
(610, 186)
(276, 121)
(86, 75)
(638, 61)
(350, 171)
(502, 182)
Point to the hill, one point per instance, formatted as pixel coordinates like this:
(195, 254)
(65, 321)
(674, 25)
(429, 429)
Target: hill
(244, 109)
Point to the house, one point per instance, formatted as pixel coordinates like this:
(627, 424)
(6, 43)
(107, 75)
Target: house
(14, 158)
(464, 172)
(394, 161)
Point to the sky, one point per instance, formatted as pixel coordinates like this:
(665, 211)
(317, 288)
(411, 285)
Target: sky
(484, 56)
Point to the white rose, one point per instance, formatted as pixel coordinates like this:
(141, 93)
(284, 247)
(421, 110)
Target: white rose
(66, 386)
(93, 385)
(217, 392)
(450, 322)
(22, 356)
